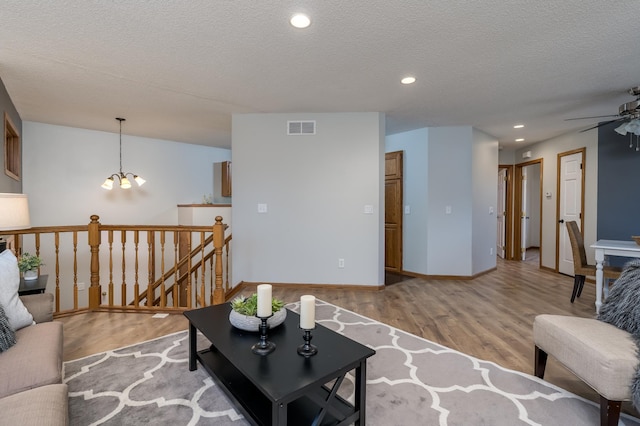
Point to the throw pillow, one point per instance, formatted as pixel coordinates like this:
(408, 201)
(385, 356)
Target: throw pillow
(9, 282)
(622, 307)
(7, 335)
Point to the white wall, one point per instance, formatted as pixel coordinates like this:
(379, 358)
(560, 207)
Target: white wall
(315, 188)
(449, 185)
(64, 168)
(484, 181)
(548, 151)
(414, 145)
(455, 167)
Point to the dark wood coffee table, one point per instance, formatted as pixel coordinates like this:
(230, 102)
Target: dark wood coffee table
(282, 387)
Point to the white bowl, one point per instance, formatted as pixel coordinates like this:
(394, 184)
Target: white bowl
(252, 323)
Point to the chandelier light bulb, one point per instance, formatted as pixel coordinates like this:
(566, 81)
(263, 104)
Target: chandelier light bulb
(124, 183)
(108, 184)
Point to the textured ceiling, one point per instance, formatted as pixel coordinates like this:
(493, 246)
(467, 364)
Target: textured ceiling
(177, 70)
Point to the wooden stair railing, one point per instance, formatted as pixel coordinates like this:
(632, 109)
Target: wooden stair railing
(172, 272)
(184, 275)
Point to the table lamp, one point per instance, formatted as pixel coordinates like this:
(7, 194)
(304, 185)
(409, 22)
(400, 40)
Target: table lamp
(14, 214)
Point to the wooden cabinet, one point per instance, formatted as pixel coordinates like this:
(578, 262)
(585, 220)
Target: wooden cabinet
(225, 189)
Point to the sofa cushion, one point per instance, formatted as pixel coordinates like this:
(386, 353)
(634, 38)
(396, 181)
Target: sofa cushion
(35, 360)
(7, 335)
(9, 282)
(46, 405)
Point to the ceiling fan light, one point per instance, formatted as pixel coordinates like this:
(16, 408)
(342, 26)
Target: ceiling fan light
(108, 184)
(621, 129)
(139, 180)
(634, 127)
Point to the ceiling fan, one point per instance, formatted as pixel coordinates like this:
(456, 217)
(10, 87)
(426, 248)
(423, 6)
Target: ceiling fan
(627, 111)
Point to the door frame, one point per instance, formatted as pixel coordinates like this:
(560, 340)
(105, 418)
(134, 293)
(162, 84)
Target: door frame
(517, 222)
(582, 151)
(508, 216)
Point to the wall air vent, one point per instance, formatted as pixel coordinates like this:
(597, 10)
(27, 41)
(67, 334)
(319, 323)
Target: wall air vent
(301, 127)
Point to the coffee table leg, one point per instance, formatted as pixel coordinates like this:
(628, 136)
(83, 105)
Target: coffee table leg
(279, 414)
(192, 347)
(361, 392)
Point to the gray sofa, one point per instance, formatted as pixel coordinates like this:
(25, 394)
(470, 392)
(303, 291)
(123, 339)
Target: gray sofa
(31, 389)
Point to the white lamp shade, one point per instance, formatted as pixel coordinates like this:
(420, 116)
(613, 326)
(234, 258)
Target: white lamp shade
(139, 180)
(108, 184)
(14, 212)
(124, 183)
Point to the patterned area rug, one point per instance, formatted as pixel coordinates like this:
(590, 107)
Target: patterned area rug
(410, 381)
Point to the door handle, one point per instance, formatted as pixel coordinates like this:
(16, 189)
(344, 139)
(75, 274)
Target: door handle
(561, 221)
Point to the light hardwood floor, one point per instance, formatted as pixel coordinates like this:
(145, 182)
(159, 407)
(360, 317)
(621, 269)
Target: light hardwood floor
(489, 317)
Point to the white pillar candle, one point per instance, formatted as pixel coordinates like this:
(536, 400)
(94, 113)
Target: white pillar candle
(307, 312)
(264, 300)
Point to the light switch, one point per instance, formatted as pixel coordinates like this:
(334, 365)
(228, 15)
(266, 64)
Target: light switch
(447, 210)
(407, 209)
(368, 209)
(262, 208)
(491, 210)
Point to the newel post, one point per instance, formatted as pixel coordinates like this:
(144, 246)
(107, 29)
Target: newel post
(94, 243)
(218, 243)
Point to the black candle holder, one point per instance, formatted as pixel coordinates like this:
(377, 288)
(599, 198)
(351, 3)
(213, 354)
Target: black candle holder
(263, 347)
(307, 349)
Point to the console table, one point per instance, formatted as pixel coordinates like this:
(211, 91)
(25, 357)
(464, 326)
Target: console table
(283, 387)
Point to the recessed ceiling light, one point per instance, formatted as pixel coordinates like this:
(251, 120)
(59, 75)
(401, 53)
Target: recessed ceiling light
(518, 126)
(300, 20)
(520, 140)
(408, 80)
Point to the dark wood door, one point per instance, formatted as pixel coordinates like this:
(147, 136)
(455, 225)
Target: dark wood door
(393, 211)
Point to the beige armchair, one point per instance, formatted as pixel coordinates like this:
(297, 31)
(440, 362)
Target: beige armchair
(600, 354)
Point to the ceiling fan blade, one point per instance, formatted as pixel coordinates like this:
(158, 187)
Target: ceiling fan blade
(595, 116)
(604, 123)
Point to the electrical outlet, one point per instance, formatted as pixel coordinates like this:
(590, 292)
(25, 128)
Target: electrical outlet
(81, 286)
(340, 263)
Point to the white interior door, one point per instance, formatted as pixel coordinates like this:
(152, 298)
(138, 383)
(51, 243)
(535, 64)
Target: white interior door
(501, 213)
(570, 207)
(523, 216)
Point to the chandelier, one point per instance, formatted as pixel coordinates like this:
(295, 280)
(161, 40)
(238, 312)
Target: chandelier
(633, 128)
(125, 183)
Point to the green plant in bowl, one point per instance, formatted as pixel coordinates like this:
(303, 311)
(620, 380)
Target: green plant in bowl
(28, 262)
(249, 305)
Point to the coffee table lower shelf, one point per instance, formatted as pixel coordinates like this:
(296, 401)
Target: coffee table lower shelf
(259, 410)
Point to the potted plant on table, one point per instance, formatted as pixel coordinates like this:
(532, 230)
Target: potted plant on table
(28, 265)
(244, 309)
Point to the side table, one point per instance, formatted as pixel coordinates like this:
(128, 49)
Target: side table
(33, 286)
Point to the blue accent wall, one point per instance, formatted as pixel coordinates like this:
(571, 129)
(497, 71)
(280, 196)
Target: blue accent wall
(618, 186)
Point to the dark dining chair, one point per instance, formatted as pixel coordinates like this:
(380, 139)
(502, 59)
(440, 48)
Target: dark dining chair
(582, 269)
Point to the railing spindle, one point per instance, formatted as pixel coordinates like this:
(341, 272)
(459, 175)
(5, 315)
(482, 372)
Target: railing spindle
(56, 242)
(75, 270)
(163, 296)
(176, 286)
